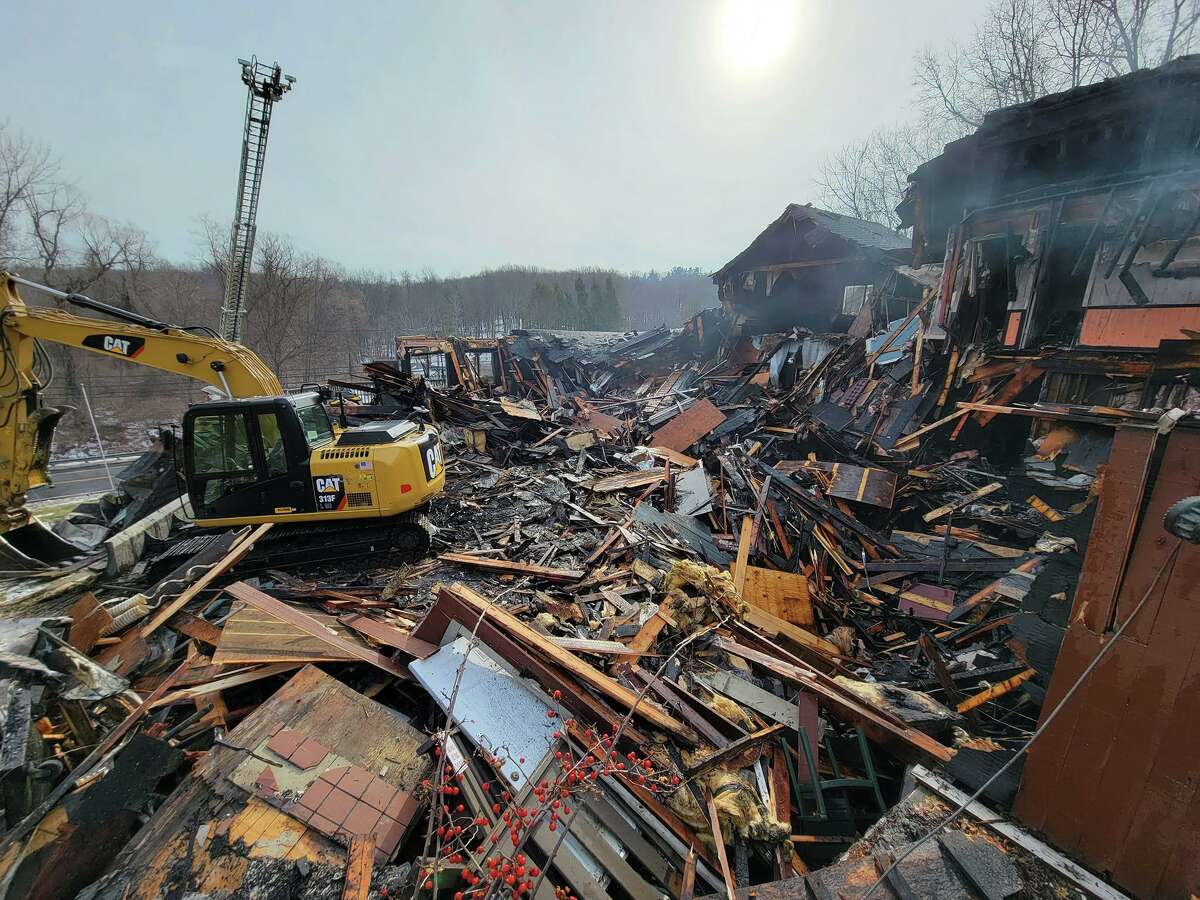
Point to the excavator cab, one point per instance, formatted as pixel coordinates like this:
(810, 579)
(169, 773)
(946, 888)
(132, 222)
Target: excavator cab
(273, 459)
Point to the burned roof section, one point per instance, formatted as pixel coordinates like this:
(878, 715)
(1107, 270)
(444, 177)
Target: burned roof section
(797, 270)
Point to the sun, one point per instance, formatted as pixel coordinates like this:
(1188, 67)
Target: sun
(755, 33)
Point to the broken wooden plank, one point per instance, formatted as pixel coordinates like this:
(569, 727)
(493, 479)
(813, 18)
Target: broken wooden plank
(281, 610)
(627, 481)
(912, 440)
(254, 635)
(714, 822)
(236, 679)
(771, 624)
(236, 553)
(360, 862)
(564, 576)
(745, 538)
(89, 621)
(996, 690)
(587, 674)
(674, 457)
(647, 636)
(861, 484)
(389, 635)
(948, 508)
(584, 645)
(1021, 379)
(197, 628)
(878, 725)
(733, 748)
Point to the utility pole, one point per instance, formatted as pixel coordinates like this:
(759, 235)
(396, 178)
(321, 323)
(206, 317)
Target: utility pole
(265, 85)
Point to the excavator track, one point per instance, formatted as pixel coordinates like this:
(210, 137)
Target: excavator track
(397, 540)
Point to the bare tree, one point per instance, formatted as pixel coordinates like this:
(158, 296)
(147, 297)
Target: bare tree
(26, 171)
(1139, 33)
(1074, 33)
(76, 252)
(866, 179)
(1020, 51)
(1024, 49)
(1009, 59)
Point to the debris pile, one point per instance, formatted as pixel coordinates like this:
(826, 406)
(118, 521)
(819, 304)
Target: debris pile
(742, 607)
(693, 609)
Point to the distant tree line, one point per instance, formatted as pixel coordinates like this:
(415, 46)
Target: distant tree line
(305, 315)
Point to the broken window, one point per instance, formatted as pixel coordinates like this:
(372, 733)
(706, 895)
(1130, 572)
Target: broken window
(854, 296)
(484, 362)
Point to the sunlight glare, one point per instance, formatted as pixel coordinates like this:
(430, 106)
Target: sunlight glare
(755, 33)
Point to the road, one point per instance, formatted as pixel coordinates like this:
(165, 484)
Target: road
(78, 477)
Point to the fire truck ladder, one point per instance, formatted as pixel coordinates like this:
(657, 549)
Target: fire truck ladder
(265, 84)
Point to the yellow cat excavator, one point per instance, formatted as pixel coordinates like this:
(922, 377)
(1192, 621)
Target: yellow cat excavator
(256, 455)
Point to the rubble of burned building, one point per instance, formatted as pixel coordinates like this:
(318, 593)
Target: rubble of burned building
(753, 606)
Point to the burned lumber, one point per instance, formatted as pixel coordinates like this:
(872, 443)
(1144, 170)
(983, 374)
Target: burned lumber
(563, 576)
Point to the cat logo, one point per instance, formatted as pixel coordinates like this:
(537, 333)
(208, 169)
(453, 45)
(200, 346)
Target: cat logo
(116, 344)
(331, 492)
(431, 456)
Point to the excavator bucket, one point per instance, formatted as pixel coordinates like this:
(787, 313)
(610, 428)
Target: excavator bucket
(34, 546)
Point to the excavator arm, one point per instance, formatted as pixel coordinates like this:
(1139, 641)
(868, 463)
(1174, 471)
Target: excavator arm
(27, 424)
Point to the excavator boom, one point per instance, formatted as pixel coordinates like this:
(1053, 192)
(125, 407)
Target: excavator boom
(27, 426)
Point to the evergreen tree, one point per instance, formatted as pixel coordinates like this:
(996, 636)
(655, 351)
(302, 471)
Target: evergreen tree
(540, 306)
(609, 315)
(583, 305)
(596, 307)
(564, 308)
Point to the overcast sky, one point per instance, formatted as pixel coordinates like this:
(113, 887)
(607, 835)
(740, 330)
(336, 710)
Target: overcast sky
(457, 136)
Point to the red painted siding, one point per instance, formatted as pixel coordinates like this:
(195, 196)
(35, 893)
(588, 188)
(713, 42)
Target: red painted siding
(1114, 780)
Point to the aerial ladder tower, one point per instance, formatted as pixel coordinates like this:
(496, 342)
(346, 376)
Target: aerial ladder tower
(265, 85)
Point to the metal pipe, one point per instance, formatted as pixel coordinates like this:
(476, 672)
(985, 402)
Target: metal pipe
(88, 303)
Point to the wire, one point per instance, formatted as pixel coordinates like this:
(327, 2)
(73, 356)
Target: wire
(1040, 730)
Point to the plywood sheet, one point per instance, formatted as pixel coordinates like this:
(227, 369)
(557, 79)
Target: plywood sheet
(688, 427)
(782, 594)
(254, 635)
